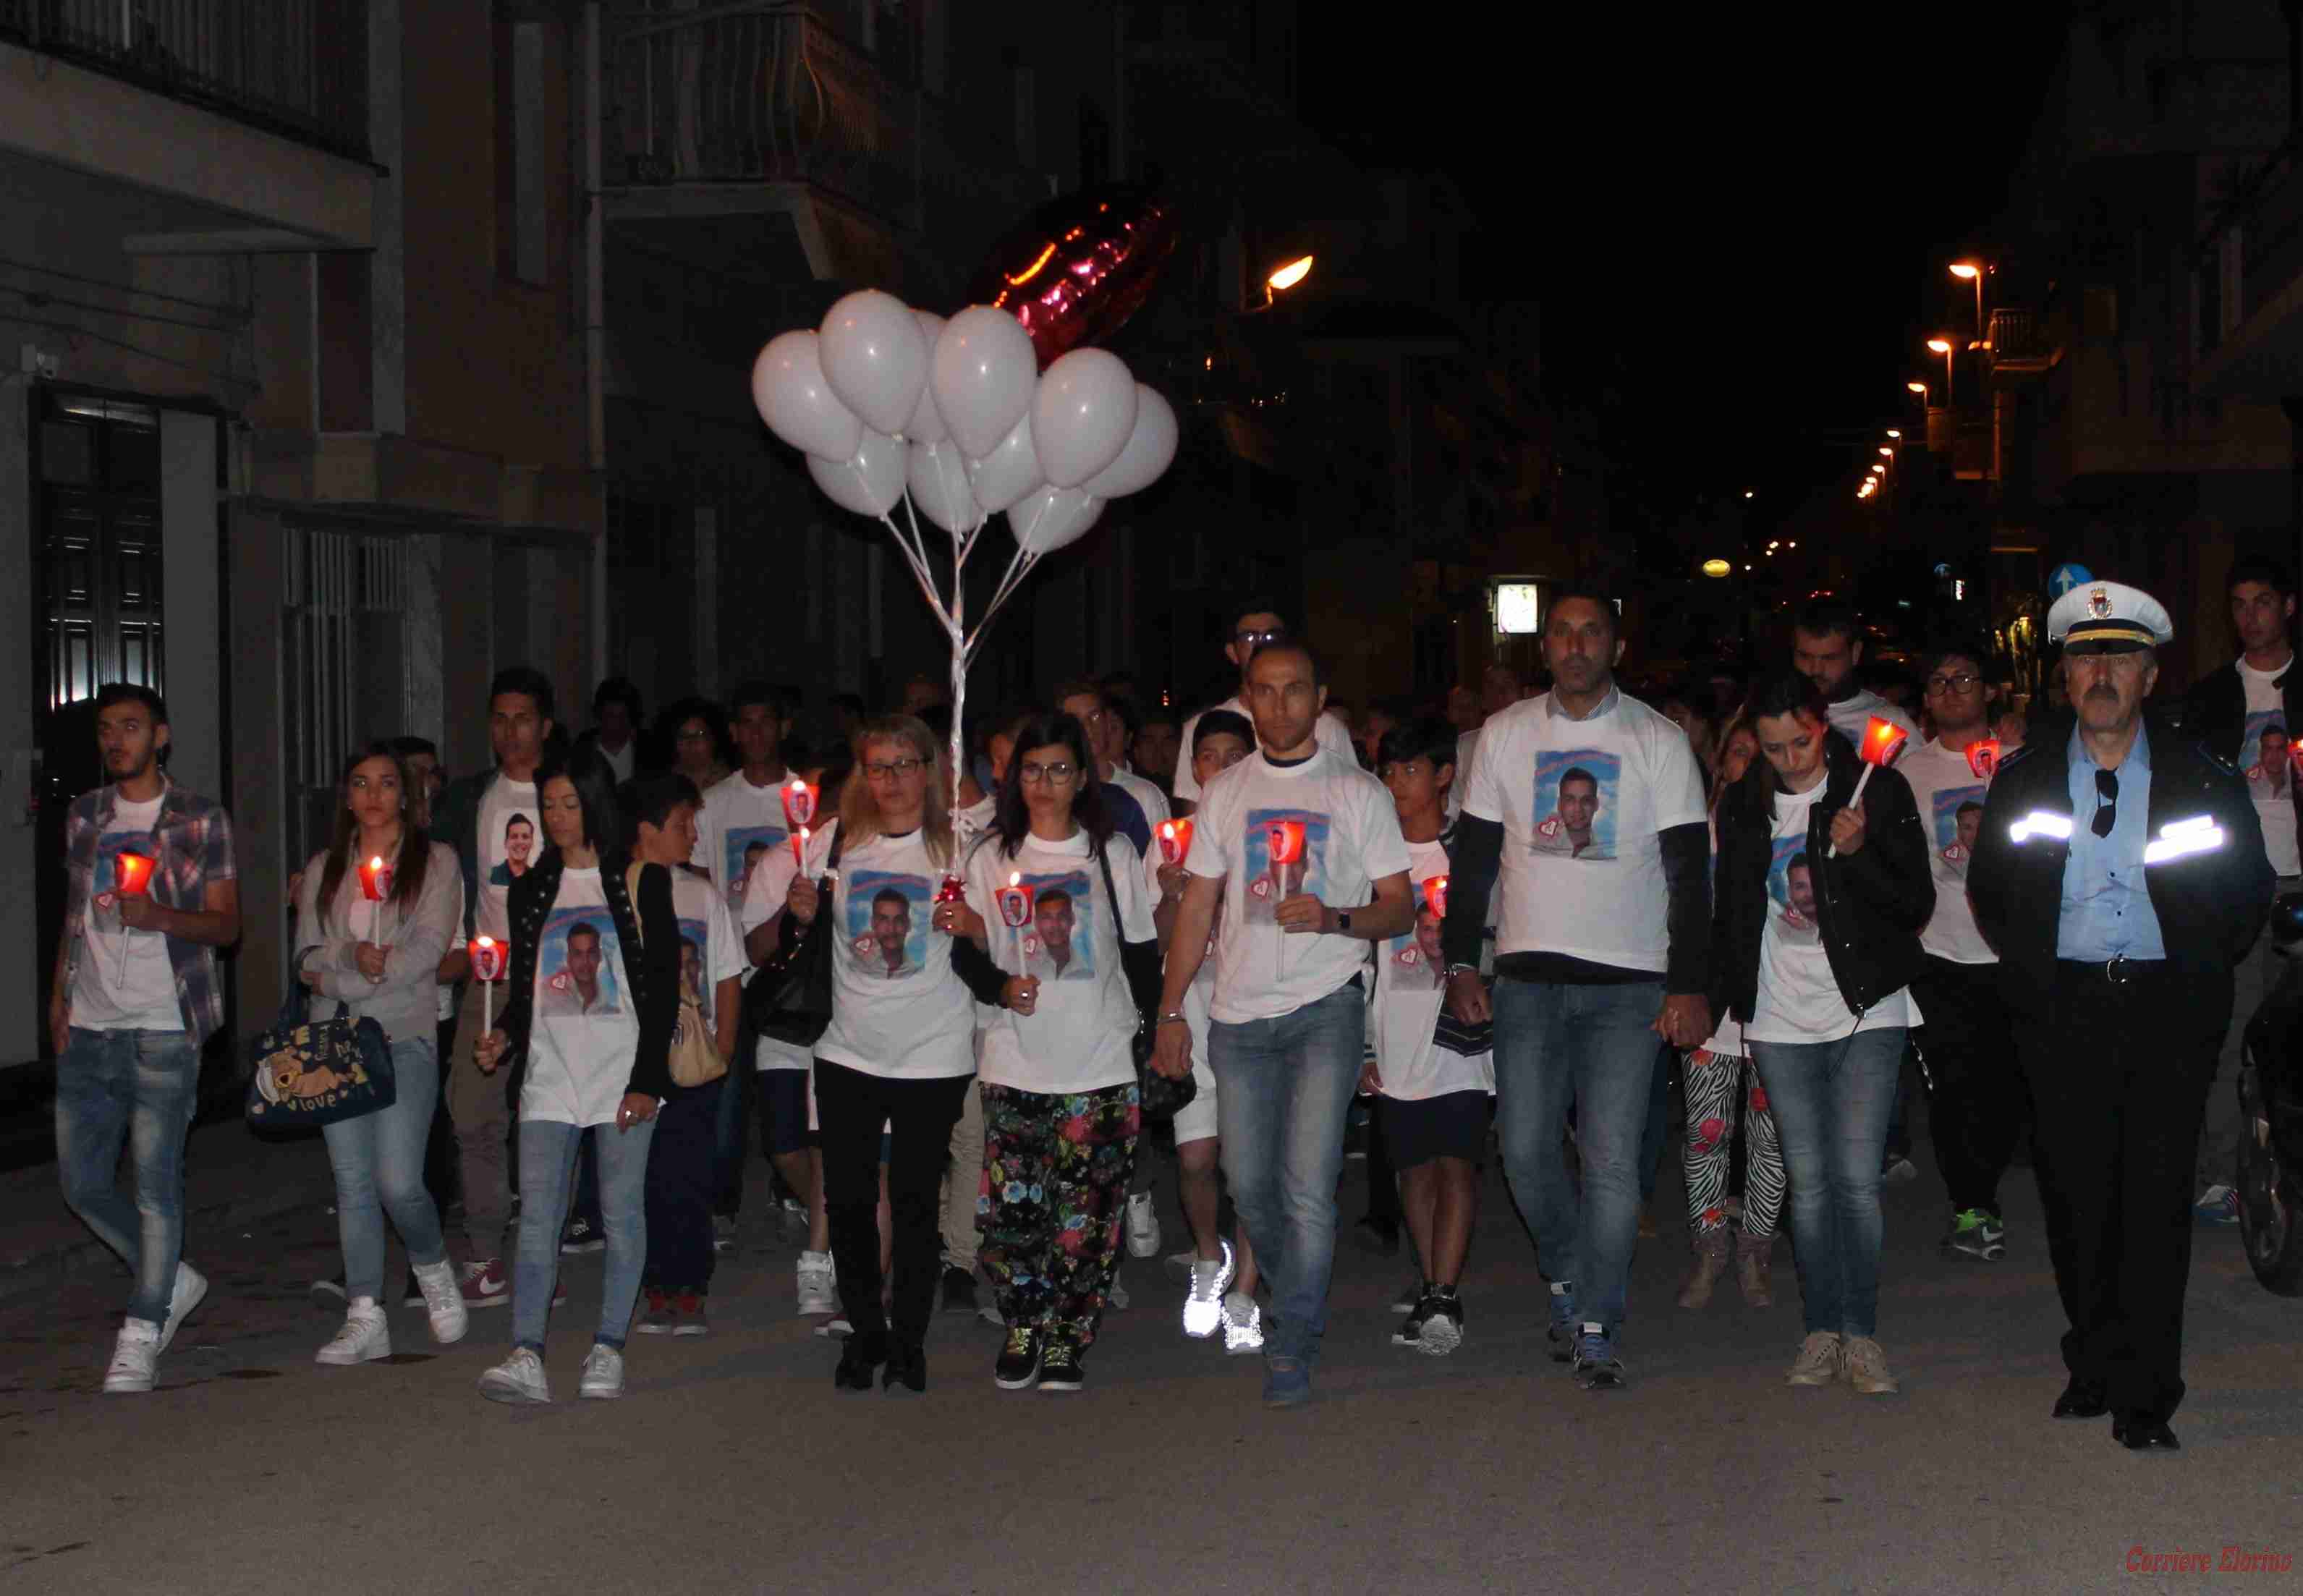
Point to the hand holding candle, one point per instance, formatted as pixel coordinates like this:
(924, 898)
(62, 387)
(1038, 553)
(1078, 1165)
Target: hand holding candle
(1883, 740)
(376, 886)
(487, 969)
(799, 804)
(799, 850)
(131, 883)
(1016, 913)
(1175, 841)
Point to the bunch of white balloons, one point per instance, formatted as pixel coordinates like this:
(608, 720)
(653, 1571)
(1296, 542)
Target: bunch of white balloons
(955, 419)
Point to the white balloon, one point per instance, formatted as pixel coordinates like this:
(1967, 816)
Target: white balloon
(1082, 415)
(939, 483)
(1151, 448)
(926, 425)
(868, 482)
(874, 357)
(1009, 472)
(983, 375)
(799, 407)
(1051, 518)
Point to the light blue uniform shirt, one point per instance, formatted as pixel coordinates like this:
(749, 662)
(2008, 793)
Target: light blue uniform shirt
(2107, 911)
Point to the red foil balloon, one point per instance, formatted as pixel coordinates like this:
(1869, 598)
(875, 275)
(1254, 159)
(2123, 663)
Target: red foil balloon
(1080, 266)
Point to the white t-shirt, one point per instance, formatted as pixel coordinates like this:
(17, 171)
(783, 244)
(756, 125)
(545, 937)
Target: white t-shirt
(1411, 984)
(973, 822)
(2273, 791)
(1062, 931)
(510, 841)
(1582, 803)
(705, 924)
(897, 1007)
(1331, 733)
(123, 981)
(620, 761)
(585, 1032)
(743, 829)
(1799, 999)
(1850, 717)
(1341, 830)
(1950, 797)
(1148, 797)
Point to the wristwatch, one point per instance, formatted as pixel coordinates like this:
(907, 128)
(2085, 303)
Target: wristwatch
(1344, 922)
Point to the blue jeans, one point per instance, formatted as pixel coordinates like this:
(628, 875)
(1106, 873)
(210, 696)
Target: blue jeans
(547, 1157)
(1831, 1103)
(1284, 1087)
(379, 1163)
(1588, 1044)
(141, 1086)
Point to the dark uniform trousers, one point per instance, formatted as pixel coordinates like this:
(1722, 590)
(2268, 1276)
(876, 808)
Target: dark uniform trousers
(2119, 1074)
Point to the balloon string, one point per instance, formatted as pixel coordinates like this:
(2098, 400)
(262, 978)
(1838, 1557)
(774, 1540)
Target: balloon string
(917, 566)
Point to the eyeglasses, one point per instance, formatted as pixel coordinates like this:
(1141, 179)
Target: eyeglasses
(1054, 775)
(1253, 639)
(1953, 684)
(2107, 800)
(887, 769)
(693, 734)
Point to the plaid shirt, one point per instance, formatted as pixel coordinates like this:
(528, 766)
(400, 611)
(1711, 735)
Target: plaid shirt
(192, 844)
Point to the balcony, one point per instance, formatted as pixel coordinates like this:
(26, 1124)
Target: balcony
(2249, 272)
(298, 68)
(2021, 343)
(731, 107)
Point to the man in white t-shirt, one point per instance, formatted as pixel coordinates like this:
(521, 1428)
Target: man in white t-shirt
(1977, 1102)
(1583, 816)
(1257, 624)
(2232, 712)
(1306, 847)
(1826, 648)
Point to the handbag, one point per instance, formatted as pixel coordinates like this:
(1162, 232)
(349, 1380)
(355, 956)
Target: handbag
(788, 998)
(307, 1072)
(1157, 1096)
(694, 1062)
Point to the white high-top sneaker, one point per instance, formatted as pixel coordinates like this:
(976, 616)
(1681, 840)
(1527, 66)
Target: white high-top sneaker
(134, 1357)
(365, 1338)
(443, 1301)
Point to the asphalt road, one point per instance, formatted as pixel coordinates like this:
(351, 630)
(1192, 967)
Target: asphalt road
(733, 1465)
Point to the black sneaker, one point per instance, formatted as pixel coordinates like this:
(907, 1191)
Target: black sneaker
(958, 1291)
(581, 1235)
(1060, 1369)
(1018, 1368)
(1442, 1317)
(1409, 1332)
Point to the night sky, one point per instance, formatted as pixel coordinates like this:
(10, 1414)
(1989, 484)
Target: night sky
(1739, 224)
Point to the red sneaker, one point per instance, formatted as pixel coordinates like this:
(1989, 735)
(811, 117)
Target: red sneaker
(485, 1284)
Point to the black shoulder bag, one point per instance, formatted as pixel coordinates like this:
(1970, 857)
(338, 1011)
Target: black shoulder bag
(789, 999)
(1158, 1096)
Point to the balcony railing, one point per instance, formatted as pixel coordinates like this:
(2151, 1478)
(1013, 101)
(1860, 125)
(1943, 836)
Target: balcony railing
(765, 91)
(2253, 248)
(2021, 340)
(293, 67)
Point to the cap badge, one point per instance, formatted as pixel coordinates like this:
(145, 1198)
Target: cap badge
(2100, 605)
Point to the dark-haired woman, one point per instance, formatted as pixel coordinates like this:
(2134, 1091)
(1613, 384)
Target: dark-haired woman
(588, 1015)
(1816, 940)
(380, 960)
(1055, 895)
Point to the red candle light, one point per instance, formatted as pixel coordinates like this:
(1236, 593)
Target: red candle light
(1983, 757)
(1882, 741)
(1175, 841)
(799, 804)
(487, 957)
(132, 874)
(376, 880)
(1016, 902)
(1434, 893)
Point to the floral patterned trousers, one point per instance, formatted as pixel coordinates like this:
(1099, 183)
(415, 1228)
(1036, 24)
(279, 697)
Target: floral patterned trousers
(1052, 1200)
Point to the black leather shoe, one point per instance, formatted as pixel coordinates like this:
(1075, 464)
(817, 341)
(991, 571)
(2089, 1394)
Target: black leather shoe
(858, 1356)
(2140, 1433)
(2082, 1400)
(907, 1366)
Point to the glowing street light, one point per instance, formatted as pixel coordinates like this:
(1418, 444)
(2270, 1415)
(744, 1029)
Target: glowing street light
(1943, 346)
(1971, 271)
(1895, 431)
(1289, 276)
(1716, 568)
(1890, 453)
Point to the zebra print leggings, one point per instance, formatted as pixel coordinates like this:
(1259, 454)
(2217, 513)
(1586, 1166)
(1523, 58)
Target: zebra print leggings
(1712, 1080)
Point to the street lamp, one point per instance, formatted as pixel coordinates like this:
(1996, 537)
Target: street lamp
(1890, 453)
(1971, 271)
(1716, 568)
(1943, 347)
(1895, 431)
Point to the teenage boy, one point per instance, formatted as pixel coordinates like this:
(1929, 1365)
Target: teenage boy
(136, 998)
(1436, 1073)
(1306, 846)
(479, 817)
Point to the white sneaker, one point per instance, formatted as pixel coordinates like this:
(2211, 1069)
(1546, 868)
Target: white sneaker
(519, 1378)
(363, 1338)
(603, 1373)
(134, 1356)
(443, 1301)
(816, 1283)
(1242, 1324)
(1203, 1305)
(1142, 1226)
(191, 1287)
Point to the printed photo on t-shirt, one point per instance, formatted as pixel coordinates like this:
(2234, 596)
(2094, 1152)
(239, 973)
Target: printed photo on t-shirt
(2250, 740)
(1416, 962)
(1956, 815)
(1576, 795)
(695, 945)
(887, 915)
(577, 963)
(1286, 854)
(1052, 918)
(1790, 884)
(747, 846)
(513, 852)
(2267, 757)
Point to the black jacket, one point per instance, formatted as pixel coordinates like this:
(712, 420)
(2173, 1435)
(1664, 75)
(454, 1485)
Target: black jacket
(2210, 904)
(2214, 713)
(651, 961)
(1870, 904)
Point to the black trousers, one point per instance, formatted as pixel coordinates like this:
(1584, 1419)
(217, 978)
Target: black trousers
(679, 1189)
(1980, 1102)
(850, 1108)
(2119, 1076)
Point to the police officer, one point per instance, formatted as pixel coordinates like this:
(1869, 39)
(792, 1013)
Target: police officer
(2120, 876)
